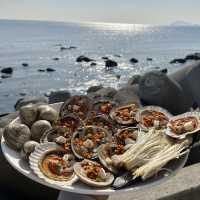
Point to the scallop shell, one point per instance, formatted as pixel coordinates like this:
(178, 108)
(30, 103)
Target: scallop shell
(48, 113)
(81, 133)
(80, 173)
(102, 155)
(39, 128)
(28, 114)
(182, 136)
(119, 120)
(150, 108)
(70, 106)
(36, 158)
(16, 135)
(98, 103)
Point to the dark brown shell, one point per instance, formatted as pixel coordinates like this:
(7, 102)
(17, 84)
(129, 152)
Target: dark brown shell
(78, 105)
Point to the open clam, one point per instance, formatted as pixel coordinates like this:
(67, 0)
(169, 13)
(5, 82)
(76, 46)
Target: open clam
(58, 135)
(104, 106)
(79, 105)
(93, 174)
(100, 121)
(51, 163)
(125, 115)
(86, 141)
(153, 116)
(182, 125)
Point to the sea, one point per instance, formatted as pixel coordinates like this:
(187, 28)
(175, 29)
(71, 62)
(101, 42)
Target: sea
(38, 42)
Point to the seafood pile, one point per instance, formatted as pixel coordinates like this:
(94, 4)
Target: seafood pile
(99, 143)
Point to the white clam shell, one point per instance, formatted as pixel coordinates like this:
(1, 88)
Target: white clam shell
(36, 157)
(150, 108)
(182, 136)
(39, 128)
(120, 121)
(80, 173)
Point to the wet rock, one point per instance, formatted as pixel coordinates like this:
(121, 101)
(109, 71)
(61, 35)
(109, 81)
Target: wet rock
(83, 59)
(118, 76)
(56, 58)
(165, 70)
(133, 60)
(63, 48)
(195, 56)
(93, 64)
(149, 59)
(27, 100)
(59, 96)
(41, 70)
(50, 69)
(156, 88)
(127, 95)
(135, 79)
(25, 64)
(5, 76)
(105, 58)
(107, 92)
(7, 70)
(94, 88)
(178, 60)
(110, 63)
(72, 47)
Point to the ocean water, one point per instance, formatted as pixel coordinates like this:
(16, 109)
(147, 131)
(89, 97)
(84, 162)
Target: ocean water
(37, 42)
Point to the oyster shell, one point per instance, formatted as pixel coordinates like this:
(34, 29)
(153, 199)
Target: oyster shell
(28, 148)
(104, 106)
(39, 128)
(16, 135)
(125, 115)
(28, 114)
(93, 174)
(85, 141)
(79, 105)
(152, 116)
(183, 125)
(50, 163)
(48, 113)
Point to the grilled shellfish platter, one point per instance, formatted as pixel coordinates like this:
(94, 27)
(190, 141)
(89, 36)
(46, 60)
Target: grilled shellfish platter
(93, 147)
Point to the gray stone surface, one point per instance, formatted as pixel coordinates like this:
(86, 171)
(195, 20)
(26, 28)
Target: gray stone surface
(59, 96)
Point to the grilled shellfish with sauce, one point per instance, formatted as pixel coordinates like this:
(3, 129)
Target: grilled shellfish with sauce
(86, 141)
(153, 116)
(125, 115)
(182, 125)
(51, 163)
(93, 174)
(79, 105)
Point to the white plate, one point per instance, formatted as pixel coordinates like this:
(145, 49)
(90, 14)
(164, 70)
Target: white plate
(21, 166)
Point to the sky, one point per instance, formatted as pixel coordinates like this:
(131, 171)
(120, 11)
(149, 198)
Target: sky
(119, 11)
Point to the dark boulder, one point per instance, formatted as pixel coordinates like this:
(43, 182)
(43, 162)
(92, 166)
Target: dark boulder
(27, 100)
(105, 58)
(118, 76)
(110, 63)
(56, 58)
(93, 64)
(83, 59)
(156, 88)
(59, 96)
(63, 48)
(178, 60)
(135, 79)
(149, 59)
(5, 76)
(94, 88)
(7, 70)
(41, 70)
(165, 70)
(195, 56)
(133, 60)
(25, 64)
(50, 69)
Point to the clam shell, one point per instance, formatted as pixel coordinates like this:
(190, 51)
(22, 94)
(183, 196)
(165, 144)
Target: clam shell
(16, 135)
(182, 136)
(28, 114)
(82, 131)
(86, 105)
(28, 148)
(48, 113)
(35, 160)
(102, 157)
(80, 173)
(119, 120)
(39, 128)
(150, 108)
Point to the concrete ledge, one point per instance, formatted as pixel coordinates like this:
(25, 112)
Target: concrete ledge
(184, 186)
